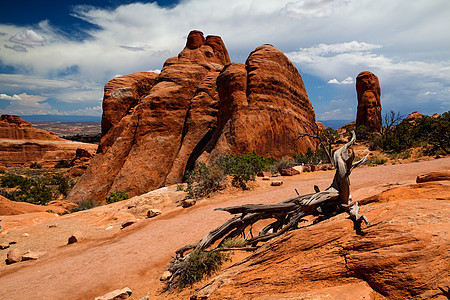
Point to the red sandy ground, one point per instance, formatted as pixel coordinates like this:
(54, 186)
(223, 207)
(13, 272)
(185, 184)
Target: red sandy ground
(136, 256)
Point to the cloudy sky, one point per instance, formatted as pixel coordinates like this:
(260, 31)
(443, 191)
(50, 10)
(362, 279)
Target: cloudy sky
(56, 56)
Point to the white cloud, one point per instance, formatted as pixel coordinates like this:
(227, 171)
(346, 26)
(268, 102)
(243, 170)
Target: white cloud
(311, 8)
(28, 38)
(347, 80)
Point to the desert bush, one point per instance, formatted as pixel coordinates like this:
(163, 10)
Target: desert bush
(116, 197)
(377, 159)
(12, 180)
(235, 242)
(244, 167)
(84, 205)
(35, 165)
(199, 264)
(204, 180)
(311, 157)
(284, 163)
(62, 164)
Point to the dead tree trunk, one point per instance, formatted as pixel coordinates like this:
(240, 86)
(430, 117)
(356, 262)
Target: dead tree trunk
(288, 213)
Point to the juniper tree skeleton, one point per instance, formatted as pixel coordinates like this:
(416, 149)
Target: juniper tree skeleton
(287, 214)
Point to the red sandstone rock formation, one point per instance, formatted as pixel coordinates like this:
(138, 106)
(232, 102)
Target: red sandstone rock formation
(413, 117)
(21, 144)
(262, 104)
(150, 144)
(151, 135)
(369, 104)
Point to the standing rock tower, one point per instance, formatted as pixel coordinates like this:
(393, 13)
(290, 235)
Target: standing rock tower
(369, 104)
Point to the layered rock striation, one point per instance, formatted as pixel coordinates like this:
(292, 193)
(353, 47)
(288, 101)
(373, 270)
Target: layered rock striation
(199, 107)
(369, 104)
(21, 144)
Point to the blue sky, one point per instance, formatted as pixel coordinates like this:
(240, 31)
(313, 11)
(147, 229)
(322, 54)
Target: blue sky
(56, 56)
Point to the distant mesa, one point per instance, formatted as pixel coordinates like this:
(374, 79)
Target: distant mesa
(22, 144)
(369, 104)
(201, 106)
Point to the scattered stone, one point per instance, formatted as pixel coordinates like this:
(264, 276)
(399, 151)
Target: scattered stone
(32, 255)
(12, 242)
(76, 237)
(4, 246)
(131, 205)
(26, 234)
(124, 293)
(289, 172)
(165, 276)
(52, 226)
(13, 256)
(266, 178)
(188, 203)
(128, 223)
(153, 213)
(109, 227)
(276, 183)
(298, 168)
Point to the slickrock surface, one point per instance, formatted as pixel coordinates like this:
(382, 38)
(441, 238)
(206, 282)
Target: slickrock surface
(369, 104)
(136, 256)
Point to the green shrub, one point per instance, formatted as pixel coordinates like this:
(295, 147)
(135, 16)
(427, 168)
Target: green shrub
(62, 164)
(377, 159)
(244, 167)
(180, 187)
(285, 163)
(12, 180)
(116, 197)
(199, 264)
(311, 157)
(2, 172)
(203, 181)
(35, 165)
(235, 242)
(84, 205)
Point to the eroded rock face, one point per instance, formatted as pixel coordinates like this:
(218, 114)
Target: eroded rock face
(21, 144)
(198, 108)
(369, 104)
(150, 144)
(405, 254)
(262, 104)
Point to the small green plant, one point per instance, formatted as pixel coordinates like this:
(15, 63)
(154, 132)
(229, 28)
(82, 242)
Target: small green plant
(35, 165)
(2, 172)
(235, 242)
(204, 180)
(180, 187)
(284, 163)
(62, 164)
(199, 264)
(377, 159)
(83, 205)
(116, 197)
(244, 167)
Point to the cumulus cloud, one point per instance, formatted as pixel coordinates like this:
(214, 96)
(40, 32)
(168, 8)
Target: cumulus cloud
(347, 80)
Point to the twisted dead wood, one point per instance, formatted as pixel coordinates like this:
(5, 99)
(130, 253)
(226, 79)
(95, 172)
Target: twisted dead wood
(288, 213)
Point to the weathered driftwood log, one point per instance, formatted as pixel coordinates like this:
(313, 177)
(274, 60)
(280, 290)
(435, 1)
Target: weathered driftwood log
(287, 214)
